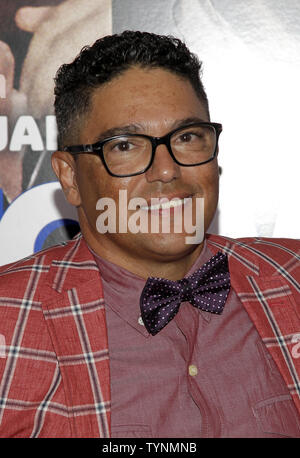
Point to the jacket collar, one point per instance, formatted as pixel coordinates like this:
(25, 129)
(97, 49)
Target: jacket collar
(74, 264)
(75, 267)
(240, 258)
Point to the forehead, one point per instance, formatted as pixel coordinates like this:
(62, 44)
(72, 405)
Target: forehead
(152, 98)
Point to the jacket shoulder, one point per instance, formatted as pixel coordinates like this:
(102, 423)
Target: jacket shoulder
(15, 276)
(263, 243)
(273, 254)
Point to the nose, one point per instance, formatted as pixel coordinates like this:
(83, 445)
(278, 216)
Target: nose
(163, 168)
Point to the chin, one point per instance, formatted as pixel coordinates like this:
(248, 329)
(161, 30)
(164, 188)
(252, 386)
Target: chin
(168, 245)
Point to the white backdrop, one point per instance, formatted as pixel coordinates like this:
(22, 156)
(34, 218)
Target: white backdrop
(251, 54)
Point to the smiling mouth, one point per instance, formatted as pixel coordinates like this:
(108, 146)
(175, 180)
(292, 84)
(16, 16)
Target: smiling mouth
(168, 204)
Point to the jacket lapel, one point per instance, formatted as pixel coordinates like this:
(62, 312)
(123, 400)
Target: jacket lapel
(270, 299)
(75, 314)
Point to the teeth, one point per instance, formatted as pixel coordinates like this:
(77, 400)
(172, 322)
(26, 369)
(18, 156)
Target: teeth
(166, 205)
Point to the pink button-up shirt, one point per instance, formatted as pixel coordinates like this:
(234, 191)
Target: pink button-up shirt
(203, 375)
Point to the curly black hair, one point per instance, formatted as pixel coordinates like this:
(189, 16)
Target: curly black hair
(109, 57)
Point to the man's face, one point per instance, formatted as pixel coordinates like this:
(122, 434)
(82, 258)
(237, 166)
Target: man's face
(154, 102)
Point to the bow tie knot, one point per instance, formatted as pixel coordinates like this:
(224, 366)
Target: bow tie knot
(207, 289)
(186, 292)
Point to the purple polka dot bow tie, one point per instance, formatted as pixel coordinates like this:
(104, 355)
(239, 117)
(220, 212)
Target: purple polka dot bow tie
(207, 289)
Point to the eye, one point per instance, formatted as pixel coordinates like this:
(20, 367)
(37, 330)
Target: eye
(122, 146)
(195, 135)
(186, 137)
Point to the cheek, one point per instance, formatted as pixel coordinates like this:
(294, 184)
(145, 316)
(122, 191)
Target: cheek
(206, 181)
(211, 184)
(89, 177)
(94, 183)
(211, 192)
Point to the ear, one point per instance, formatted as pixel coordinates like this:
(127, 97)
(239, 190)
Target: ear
(64, 167)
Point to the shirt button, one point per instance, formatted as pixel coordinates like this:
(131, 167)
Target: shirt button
(193, 370)
(140, 321)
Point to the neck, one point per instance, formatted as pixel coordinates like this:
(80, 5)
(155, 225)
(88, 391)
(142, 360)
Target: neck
(145, 263)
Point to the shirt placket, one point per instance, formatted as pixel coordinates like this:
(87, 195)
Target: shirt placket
(188, 321)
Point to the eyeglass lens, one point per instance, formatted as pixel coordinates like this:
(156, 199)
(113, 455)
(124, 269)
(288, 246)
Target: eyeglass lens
(131, 154)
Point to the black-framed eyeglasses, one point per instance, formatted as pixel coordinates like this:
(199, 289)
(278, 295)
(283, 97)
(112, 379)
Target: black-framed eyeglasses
(133, 154)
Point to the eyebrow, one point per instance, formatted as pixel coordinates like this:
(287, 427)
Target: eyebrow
(136, 128)
(120, 130)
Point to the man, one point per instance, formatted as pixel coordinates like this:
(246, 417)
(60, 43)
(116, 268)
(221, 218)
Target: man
(126, 334)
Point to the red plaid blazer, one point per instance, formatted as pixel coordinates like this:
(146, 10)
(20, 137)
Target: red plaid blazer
(54, 360)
